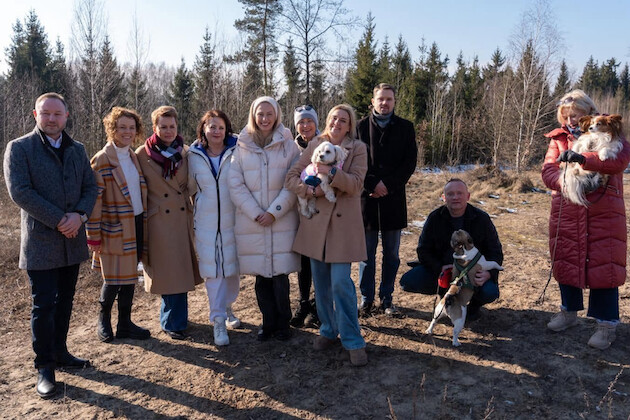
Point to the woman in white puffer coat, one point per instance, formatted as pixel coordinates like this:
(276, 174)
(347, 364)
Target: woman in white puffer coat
(266, 215)
(209, 160)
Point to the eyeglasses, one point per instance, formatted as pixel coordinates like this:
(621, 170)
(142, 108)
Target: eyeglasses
(304, 108)
(566, 101)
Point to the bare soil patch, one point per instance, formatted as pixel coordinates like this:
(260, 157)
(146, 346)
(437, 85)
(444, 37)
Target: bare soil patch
(509, 364)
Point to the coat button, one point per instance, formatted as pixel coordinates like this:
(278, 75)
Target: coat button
(167, 211)
(338, 214)
(165, 195)
(182, 209)
(278, 207)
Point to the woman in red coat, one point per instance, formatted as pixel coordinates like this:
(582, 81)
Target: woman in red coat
(588, 243)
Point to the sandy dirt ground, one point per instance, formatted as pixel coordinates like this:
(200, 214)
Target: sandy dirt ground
(509, 364)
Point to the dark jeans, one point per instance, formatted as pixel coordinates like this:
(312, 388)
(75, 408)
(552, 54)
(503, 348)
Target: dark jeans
(305, 278)
(390, 241)
(52, 292)
(174, 312)
(272, 294)
(603, 304)
(421, 280)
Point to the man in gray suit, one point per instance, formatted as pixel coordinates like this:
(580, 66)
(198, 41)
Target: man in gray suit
(49, 177)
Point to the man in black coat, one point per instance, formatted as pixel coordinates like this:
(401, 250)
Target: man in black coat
(392, 154)
(435, 254)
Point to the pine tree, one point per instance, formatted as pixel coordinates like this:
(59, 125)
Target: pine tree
(205, 75)
(111, 78)
(563, 84)
(624, 87)
(384, 69)
(608, 81)
(180, 95)
(362, 77)
(294, 95)
(30, 54)
(494, 68)
(589, 81)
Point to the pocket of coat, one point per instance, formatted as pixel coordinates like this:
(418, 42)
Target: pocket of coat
(112, 238)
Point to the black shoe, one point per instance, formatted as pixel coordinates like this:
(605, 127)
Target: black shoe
(263, 335)
(365, 310)
(473, 314)
(300, 314)
(46, 385)
(176, 335)
(69, 361)
(130, 330)
(283, 334)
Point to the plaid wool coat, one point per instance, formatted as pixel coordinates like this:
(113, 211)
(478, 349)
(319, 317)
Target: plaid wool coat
(112, 222)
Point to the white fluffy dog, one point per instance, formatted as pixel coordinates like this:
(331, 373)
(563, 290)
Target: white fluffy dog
(602, 134)
(328, 154)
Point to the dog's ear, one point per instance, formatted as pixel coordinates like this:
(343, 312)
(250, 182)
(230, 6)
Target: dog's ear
(585, 123)
(315, 155)
(615, 123)
(341, 153)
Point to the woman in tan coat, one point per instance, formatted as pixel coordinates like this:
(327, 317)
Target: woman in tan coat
(334, 238)
(170, 264)
(116, 228)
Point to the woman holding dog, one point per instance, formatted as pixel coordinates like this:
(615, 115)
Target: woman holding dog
(333, 238)
(116, 229)
(209, 164)
(266, 217)
(587, 244)
(306, 122)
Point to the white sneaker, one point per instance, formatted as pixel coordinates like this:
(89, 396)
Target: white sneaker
(232, 320)
(220, 332)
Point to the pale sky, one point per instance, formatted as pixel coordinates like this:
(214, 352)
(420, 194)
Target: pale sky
(476, 27)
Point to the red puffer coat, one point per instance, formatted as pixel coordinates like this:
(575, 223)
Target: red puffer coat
(591, 251)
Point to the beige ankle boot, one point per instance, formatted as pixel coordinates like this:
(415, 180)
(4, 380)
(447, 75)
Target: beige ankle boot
(604, 336)
(563, 320)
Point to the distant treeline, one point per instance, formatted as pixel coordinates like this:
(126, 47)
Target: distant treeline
(494, 113)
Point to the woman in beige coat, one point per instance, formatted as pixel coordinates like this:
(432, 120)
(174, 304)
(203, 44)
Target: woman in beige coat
(334, 237)
(117, 225)
(266, 217)
(170, 265)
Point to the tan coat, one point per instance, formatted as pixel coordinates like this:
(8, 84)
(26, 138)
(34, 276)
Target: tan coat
(112, 224)
(335, 234)
(170, 264)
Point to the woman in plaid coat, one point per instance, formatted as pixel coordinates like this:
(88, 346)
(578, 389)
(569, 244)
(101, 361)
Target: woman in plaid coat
(116, 228)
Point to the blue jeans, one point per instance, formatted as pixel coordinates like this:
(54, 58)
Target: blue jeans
(52, 292)
(391, 261)
(420, 280)
(603, 304)
(174, 312)
(336, 299)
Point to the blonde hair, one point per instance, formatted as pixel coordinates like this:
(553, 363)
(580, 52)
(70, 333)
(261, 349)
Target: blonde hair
(111, 119)
(352, 132)
(252, 128)
(576, 100)
(163, 111)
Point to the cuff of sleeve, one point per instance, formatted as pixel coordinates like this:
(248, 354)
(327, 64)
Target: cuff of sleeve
(94, 242)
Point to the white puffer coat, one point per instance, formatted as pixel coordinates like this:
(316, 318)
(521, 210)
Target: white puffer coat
(214, 213)
(256, 186)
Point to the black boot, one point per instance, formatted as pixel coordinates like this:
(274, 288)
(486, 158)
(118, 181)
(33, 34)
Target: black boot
(312, 320)
(126, 328)
(300, 314)
(104, 329)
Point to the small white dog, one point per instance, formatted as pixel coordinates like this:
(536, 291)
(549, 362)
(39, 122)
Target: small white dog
(455, 301)
(601, 134)
(328, 154)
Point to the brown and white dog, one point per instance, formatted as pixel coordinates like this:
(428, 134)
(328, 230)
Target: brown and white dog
(457, 297)
(328, 154)
(602, 134)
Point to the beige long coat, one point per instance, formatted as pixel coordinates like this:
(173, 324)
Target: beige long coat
(170, 264)
(112, 224)
(335, 234)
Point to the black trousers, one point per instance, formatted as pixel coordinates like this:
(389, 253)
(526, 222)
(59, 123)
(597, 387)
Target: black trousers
(305, 279)
(272, 294)
(52, 293)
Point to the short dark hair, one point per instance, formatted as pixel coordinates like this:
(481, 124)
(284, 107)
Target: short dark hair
(456, 180)
(384, 86)
(52, 95)
(213, 113)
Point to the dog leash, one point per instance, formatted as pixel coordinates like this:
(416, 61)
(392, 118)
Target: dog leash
(541, 298)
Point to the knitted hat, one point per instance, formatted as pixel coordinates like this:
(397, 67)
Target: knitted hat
(305, 111)
(268, 99)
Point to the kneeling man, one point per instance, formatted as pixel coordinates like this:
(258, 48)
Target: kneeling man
(435, 254)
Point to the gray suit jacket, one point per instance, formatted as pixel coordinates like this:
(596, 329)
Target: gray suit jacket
(45, 189)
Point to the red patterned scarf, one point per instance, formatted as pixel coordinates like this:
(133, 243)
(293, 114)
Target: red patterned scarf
(169, 157)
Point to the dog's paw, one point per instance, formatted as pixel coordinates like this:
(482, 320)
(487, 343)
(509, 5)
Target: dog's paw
(331, 197)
